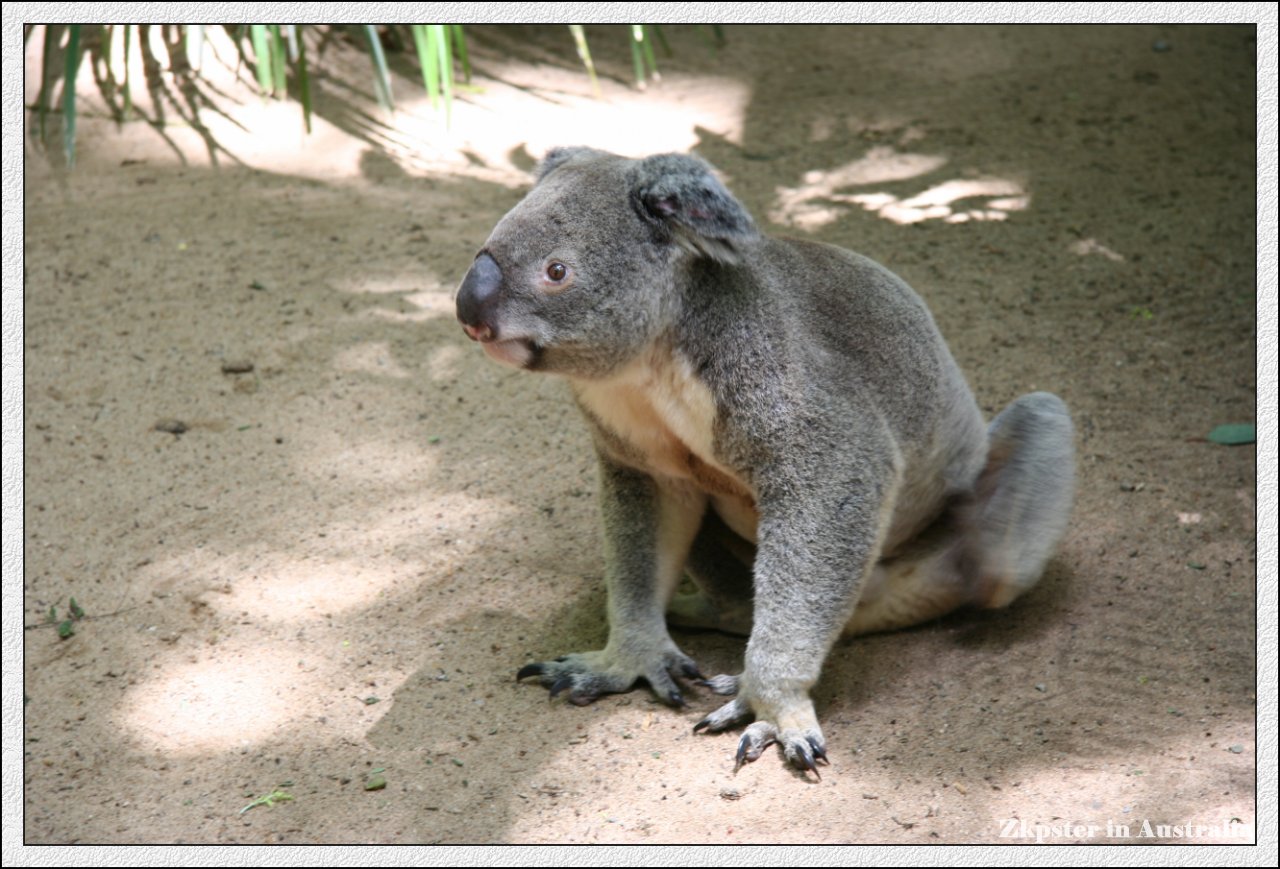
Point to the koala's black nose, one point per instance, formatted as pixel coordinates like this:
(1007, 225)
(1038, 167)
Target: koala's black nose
(478, 298)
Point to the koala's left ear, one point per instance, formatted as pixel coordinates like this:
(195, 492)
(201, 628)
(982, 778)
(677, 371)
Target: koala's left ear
(559, 156)
(680, 193)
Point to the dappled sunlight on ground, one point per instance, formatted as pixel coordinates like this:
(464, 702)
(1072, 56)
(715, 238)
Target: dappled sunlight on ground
(368, 460)
(374, 357)
(507, 117)
(237, 685)
(427, 305)
(823, 196)
(228, 702)
(626, 121)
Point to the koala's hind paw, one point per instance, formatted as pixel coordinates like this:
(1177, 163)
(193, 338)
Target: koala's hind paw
(587, 675)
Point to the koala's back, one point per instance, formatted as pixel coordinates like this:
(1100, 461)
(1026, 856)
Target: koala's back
(810, 336)
(858, 329)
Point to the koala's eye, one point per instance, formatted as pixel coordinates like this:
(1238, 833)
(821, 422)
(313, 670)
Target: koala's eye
(557, 272)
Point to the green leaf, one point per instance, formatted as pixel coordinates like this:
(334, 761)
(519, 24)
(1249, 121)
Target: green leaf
(66, 629)
(637, 56)
(460, 48)
(128, 94)
(1234, 434)
(76, 612)
(381, 78)
(262, 56)
(427, 62)
(584, 53)
(646, 43)
(279, 87)
(304, 83)
(42, 99)
(72, 68)
(290, 32)
(440, 41)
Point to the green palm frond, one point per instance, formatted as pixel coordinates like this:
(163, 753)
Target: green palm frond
(277, 52)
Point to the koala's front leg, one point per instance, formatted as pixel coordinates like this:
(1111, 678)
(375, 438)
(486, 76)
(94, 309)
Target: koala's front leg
(648, 529)
(817, 543)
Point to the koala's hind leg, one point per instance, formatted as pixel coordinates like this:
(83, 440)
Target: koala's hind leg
(922, 582)
(992, 547)
(1023, 498)
(720, 566)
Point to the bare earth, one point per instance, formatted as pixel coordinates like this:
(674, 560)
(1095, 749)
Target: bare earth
(335, 571)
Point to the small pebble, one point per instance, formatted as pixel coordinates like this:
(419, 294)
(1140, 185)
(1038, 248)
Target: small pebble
(237, 366)
(1236, 749)
(730, 794)
(172, 426)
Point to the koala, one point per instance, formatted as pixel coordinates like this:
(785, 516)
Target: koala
(778, 419)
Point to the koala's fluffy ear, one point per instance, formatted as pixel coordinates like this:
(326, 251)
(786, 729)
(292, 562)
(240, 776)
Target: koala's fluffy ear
(681, 193)
(559, 156)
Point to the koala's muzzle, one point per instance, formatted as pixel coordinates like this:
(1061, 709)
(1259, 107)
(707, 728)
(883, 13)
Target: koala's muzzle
(481, 299)
(478, 299)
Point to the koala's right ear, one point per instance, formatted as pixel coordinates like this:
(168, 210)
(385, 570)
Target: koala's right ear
(680, 193)
(557, 157)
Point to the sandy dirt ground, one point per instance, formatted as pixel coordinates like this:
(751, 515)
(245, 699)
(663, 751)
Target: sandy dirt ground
(330, 576)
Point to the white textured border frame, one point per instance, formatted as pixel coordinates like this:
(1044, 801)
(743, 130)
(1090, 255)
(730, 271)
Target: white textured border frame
(1263, 14)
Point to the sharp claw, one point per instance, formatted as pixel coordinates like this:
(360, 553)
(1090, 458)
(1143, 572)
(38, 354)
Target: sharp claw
(529, 670)
(562, 659)
(560, 684)
(804, 760)
(675, 698)
(741, 757)
(819, 752)
(702, 725)
(691, 671)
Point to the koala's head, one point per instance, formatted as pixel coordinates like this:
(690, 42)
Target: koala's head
(586, 270)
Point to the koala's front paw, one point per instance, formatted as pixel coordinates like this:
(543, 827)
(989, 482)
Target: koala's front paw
(796, 729)
(587, 675)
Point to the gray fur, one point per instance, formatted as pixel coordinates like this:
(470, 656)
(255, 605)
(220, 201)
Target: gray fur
(782, 418)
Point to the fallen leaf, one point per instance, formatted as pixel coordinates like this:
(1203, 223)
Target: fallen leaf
(1234, 434)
